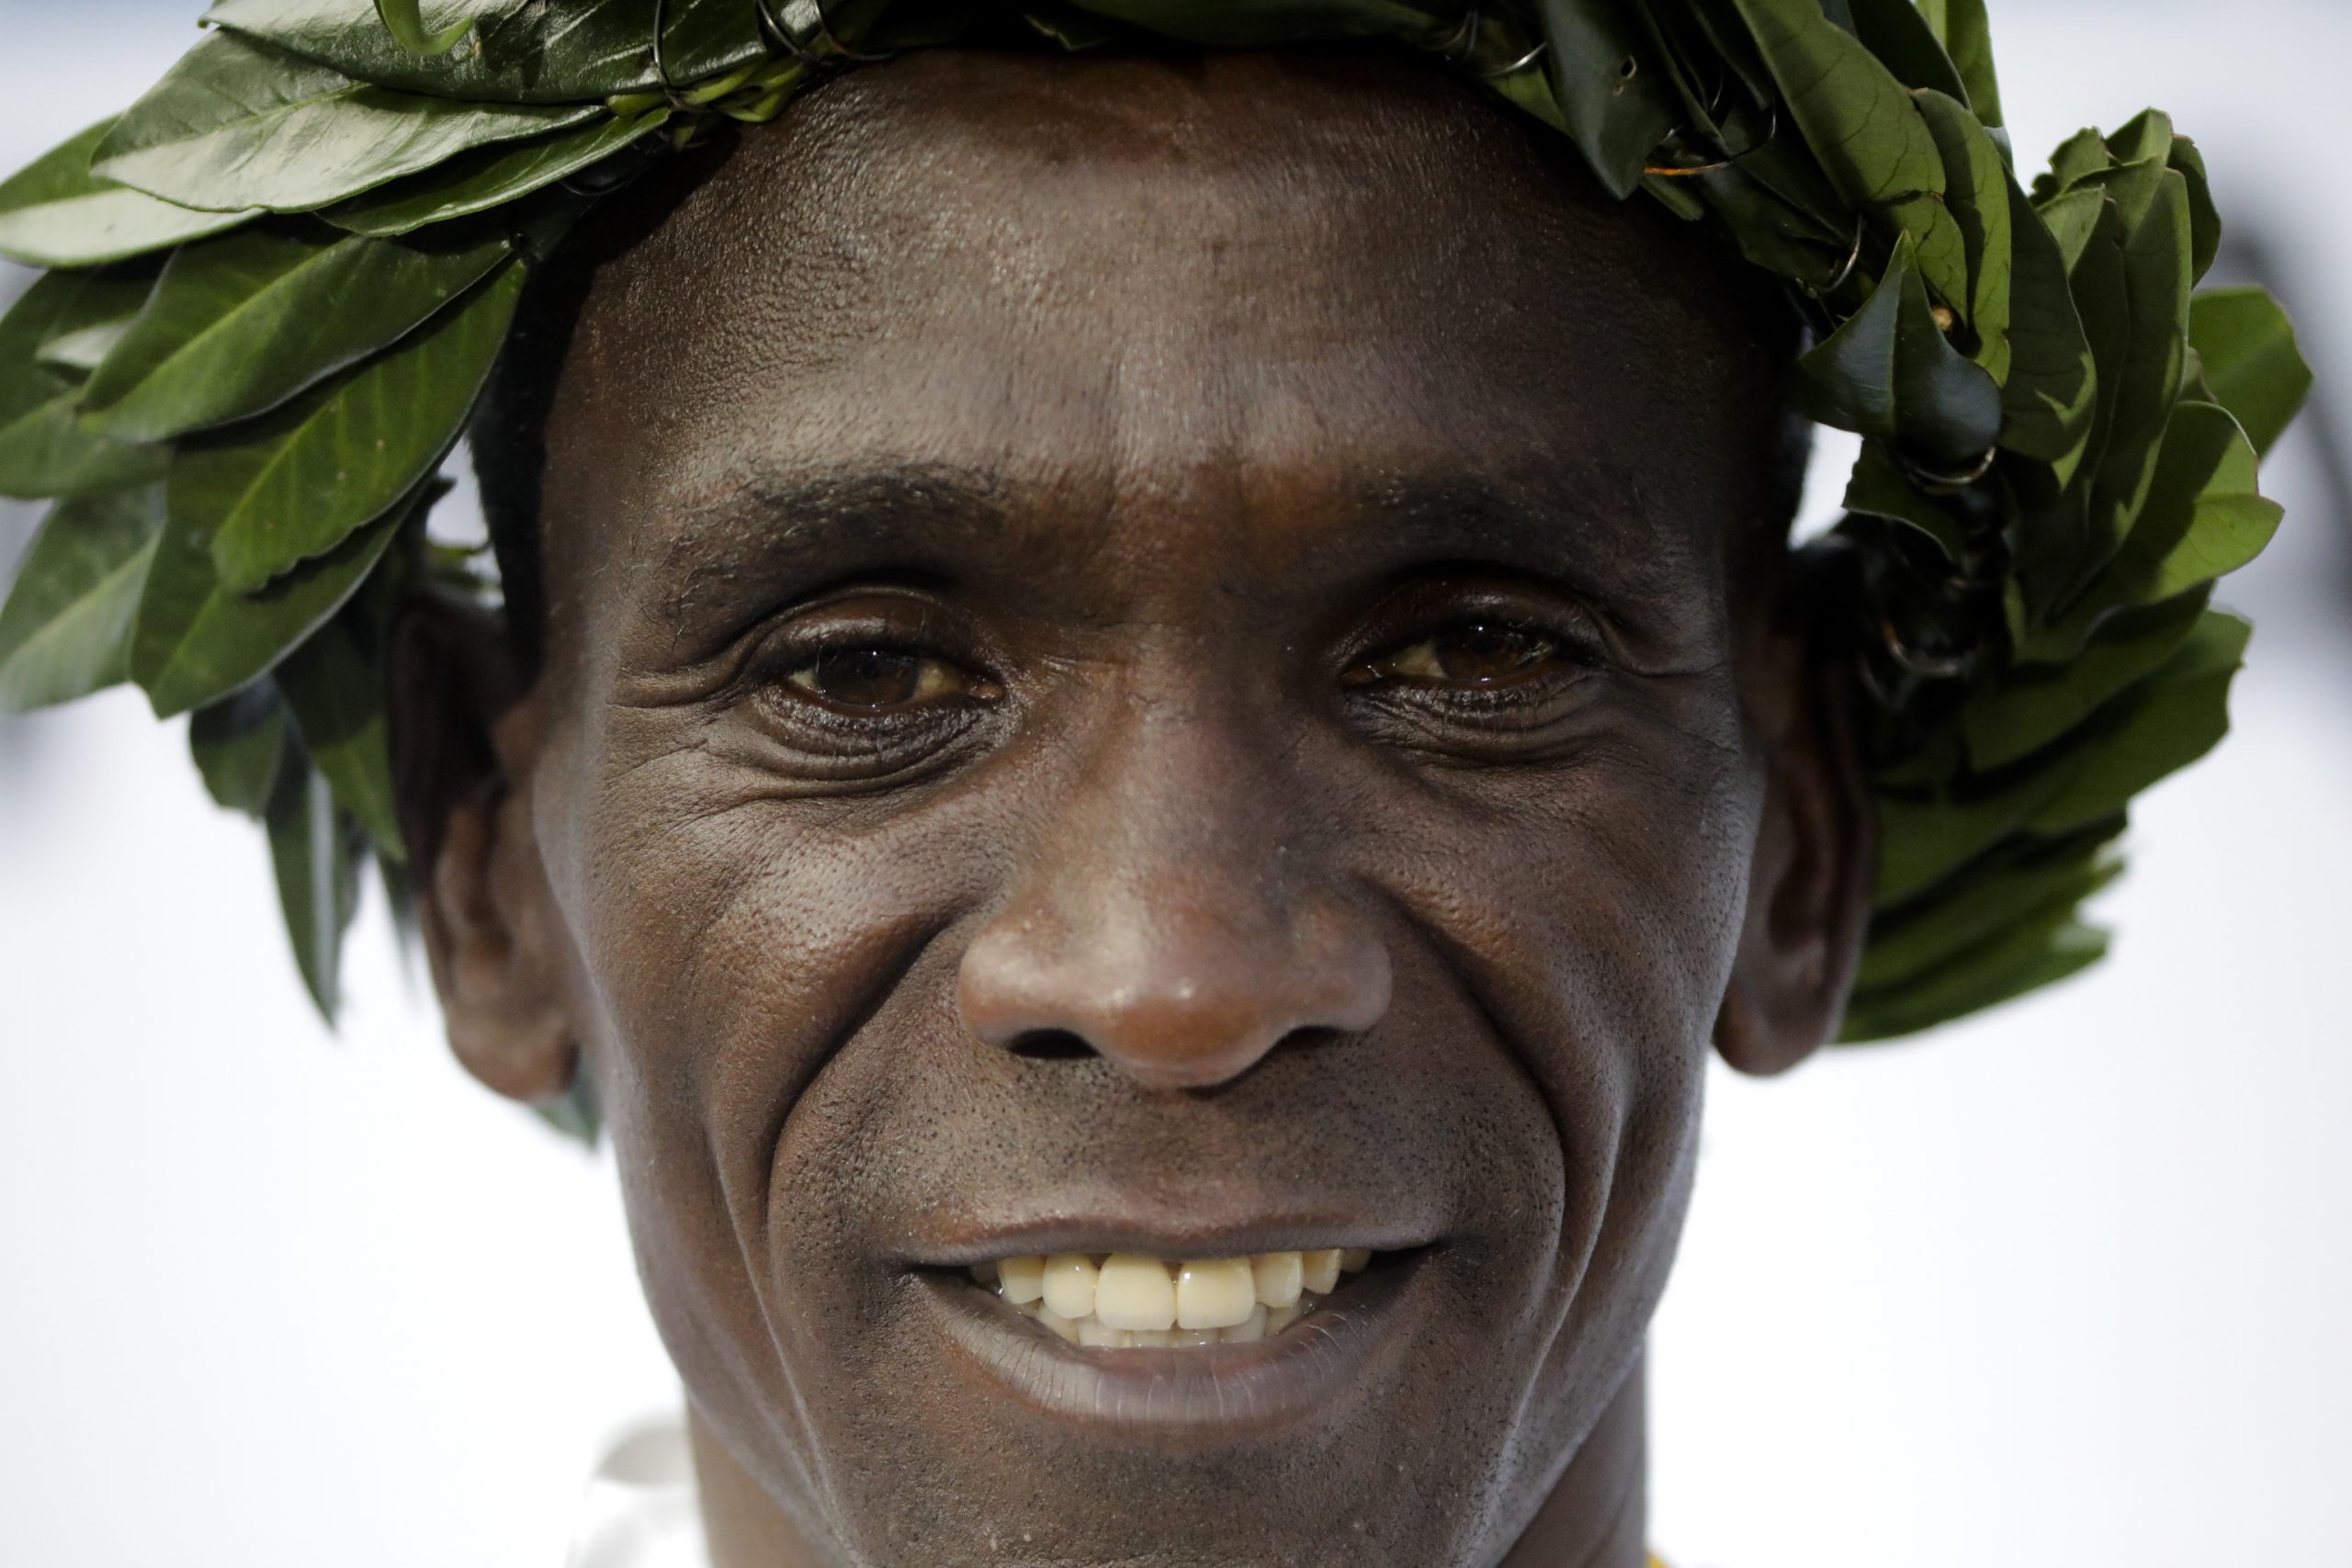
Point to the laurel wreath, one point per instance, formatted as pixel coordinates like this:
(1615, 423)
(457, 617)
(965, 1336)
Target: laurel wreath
(277, 284)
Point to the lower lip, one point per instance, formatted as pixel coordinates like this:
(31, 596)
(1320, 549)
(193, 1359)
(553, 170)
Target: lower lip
(1210, 1392)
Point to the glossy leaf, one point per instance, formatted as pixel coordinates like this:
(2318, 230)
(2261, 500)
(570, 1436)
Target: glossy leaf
(239, 745)
(1863, 127)
(66, 629)
(81, 351)
(238, 325)
(578, 51)
(494, 177)
(316, 855)
(405, 19)
(334, 684)
(55, 212)
(43, 451)
(1889, 374)
(195, 641)
(333, 460)
(2252, 363)
(1967, 38)
(1878, 488)
(1978, 186)
(1616, 102)
(236, 125)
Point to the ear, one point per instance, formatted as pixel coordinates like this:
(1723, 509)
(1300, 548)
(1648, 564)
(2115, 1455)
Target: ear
(463, 734)
(1808, 891)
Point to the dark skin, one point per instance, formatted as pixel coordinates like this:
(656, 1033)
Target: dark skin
(1182, 668)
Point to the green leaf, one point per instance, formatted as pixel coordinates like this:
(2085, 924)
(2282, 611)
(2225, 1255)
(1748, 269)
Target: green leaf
(2030, 879)
(195, 641)
(297, 483)
(337, 693)
(79, 352)
(1617, 103)
(2204, 518)
(1254, 24)
(1866, 131)
(2160, 724)
(1967, 38)
(2041, 951)
(1905, 43)
(236, 124)
(1880, 489)
(239, 745)
(574, 50)
(2204, 217)
(492, 176)
(238, 325)
(2037, 705)
(2047, 401)
(2181, 713)
(316, 854)
(405, 19)
(65, 630)
(2156, 256)
(1889, 374)
(2251, 360)
(43, 452)
(2081, 155)
(1976, 184)
(55, 212)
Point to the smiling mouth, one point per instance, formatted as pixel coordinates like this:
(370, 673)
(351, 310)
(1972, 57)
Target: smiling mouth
(1127, 1301)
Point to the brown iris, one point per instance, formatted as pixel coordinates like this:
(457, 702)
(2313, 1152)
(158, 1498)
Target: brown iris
(877, 680)
(1470, 653)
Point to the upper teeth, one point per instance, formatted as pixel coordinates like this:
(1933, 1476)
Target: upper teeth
(1123, 1299)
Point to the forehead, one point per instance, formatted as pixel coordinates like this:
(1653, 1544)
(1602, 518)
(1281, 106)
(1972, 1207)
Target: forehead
(1141, 298)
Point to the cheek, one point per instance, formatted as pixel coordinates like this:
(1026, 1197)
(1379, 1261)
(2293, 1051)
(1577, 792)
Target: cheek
(728, 946)
(1592, 912)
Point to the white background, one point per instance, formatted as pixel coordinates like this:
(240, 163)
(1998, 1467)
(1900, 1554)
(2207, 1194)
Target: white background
(2065, 1286)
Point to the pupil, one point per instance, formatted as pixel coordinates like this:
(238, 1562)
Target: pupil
(1481, 653)
(869, 677)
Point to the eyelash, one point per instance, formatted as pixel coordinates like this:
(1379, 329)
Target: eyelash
(891, 745)
(880, 745)
(1484, 721)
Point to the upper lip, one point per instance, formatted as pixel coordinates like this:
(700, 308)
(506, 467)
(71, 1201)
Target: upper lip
(1163, 1236)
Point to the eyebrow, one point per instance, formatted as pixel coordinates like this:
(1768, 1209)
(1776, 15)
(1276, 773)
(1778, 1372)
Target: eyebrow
(1586, 522)
(772, 534)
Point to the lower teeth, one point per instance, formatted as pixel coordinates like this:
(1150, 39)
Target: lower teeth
(1126, 1301)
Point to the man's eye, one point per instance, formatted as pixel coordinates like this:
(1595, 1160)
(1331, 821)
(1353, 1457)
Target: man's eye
(878, 680)
(1472, 653)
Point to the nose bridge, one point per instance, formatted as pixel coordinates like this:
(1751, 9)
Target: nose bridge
(1171, 915)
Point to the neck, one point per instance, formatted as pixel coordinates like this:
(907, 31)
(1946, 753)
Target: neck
(1598, 1514)
(1594, 1517)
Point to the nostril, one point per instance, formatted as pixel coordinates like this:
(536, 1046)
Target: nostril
(1049, 1045)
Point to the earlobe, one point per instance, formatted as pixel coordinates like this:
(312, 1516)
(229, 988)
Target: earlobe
(1808, 896)
(460, 738)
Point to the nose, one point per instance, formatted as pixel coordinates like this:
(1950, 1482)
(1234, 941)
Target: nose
(1164, 924)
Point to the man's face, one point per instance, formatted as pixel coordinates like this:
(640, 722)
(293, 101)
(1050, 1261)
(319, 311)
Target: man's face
(1140, 662)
